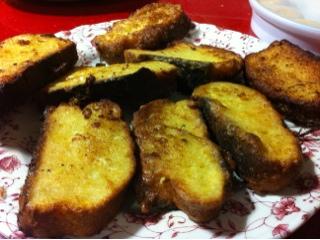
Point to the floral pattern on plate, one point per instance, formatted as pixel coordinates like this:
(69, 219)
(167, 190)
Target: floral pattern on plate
(244, 215)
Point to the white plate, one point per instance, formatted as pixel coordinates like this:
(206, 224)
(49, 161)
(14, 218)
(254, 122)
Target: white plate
(244, 215)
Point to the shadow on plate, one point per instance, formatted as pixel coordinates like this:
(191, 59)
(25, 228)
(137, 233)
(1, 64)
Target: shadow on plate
(306, 182)
(20, 127)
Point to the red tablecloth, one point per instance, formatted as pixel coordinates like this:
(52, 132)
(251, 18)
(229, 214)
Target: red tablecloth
(40, 16)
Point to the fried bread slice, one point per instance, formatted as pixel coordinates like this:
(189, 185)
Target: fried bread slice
(178, 168)
(290, 78)
(82, 166)
(267, 155)
(136, 82)
(198, 64)
(30, 61)
(153, 26)
(182, 115)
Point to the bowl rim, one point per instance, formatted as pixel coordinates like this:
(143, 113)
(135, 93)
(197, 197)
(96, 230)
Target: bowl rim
(282, 22)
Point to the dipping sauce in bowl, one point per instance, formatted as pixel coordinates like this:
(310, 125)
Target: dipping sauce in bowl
(301, 11)
(295, 20)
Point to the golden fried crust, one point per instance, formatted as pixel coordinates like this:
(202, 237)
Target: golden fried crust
(182, 170)
(198, 64)
(267, 155)
(29, 62)
(151, 27)
(290, 78)
(179, 165)
(81, 168)
(61, 220)
(223, 64)
(182, 115)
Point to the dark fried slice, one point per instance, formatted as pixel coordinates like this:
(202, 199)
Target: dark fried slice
(151, 27)
(29, 62)
(178, 168)
(198, 64)
(290, 78)
(82, 166)
(134, 82)
(242, 120)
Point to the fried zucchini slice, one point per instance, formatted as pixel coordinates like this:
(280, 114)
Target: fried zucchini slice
(178, 168)
(267, 155)
(198, 64)
(151, 27)
(28, 62)
(136, 82)
(82, 166)
(290, 78)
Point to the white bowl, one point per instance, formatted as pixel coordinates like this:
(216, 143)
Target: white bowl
(269, 26)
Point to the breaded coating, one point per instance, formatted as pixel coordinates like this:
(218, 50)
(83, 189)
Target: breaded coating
(198, 64)
(81, 168)
(30, 61)
(290, 78)
(151, 27)
(267, 155)
(180, 166)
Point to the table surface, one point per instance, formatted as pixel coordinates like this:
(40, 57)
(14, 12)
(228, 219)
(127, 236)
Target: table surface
(23, 16)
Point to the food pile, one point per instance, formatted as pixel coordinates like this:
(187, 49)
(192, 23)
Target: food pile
(181, 153)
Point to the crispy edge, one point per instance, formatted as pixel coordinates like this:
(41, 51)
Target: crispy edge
(262, 176)
(304, 113)
(61, 219)
(150, 37)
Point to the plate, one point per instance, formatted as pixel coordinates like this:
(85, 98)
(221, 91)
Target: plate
(244, 215)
